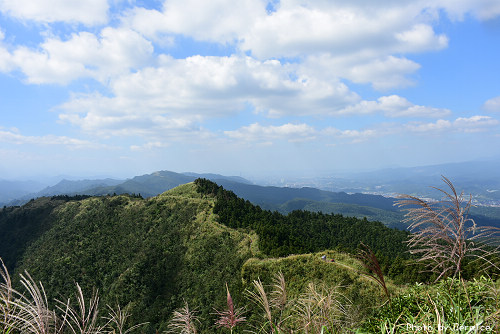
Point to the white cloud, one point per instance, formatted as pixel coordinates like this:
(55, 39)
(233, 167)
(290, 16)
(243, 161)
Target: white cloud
(14, 137)
(492, 105)
(113, 52)
(267, 134)
(394, 106)
(88, 12)
(5, 57)
(354, 136)
(222, 21)
(420, 37)
(437, 127)
(482, 9)
(476, 123)
(363, 41)
(471, 124)
(382, 73)
(341, 28)
(181, 93)
(150, 146)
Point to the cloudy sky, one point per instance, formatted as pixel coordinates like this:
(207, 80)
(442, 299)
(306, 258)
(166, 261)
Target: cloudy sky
(246, 87)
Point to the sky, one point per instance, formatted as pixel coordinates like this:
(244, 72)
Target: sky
(247, 87)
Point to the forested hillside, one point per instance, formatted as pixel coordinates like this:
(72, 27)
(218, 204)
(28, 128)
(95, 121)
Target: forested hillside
(147, 254)
(302, 231)
(152, 255)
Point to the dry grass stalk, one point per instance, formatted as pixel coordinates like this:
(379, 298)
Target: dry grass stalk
(84, 319)
(321, 308)
(7, 309)
(230, 317)
(117, 320)
(34, 315)
(260, 299)
(183, 321)
(444, 235)
(278, 295)
(275, 306)
(370, 262)
(30, 313)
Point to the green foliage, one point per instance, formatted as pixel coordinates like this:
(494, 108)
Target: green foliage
(301, 270)
(447, 305)
(302, 231)
(20, 226)
(390, 217)
(153, 256)
(143, 254)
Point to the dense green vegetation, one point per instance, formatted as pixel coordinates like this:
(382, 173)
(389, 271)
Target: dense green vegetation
(302, 231)
(151, 256)
(21, 226)
(145, 254)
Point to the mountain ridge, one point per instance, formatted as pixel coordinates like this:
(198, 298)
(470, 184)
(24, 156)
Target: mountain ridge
(150, 254)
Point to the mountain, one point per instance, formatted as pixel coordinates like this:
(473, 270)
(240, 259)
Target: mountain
(270, 196)
(479, 178)
(11, 190)
(390, 217)
(149, 255)
(218, 177)
(67, 187)
(147, 185)
(374, 207)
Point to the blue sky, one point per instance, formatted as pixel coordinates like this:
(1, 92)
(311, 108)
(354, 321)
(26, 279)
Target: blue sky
(248, 87)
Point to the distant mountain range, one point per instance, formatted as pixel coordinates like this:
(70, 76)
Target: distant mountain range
(360, 196)
(11, 190)
(479, 178)
(147, 185)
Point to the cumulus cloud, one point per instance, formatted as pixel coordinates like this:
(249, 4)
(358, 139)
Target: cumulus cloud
(477, 123)
(181, 93)
(295, 60)
(356, 40)
(14, 137)
(492, 105)
(221, 21)
(436, 127)
(482, 9)
(84, 54)
(340, 28)
(5, 57)
(362, 41)
(394, 106)
(88, 12)
(420, 37)
(355, 136)
(150, 146)
(259, 133)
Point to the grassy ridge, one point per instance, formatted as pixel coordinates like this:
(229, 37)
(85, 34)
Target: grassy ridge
(144, 254)
(152, 255)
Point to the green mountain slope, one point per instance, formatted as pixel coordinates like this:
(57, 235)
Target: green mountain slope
(21, 226)
(388, 217)
(151, 254)
(147, 254)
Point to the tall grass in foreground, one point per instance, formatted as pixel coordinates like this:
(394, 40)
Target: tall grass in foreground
(443, 234)
(230, 317)
(316, 310)
(30, 312)
(450, 306)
